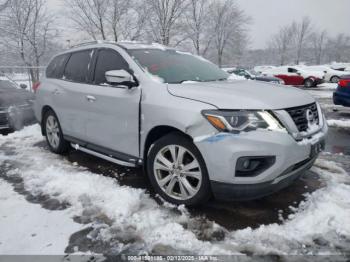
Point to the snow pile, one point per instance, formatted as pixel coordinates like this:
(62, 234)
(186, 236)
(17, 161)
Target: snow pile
(327, 86)
(318, 224)
(319, 221)
(236, 77)
(128, 208)
(342, 123)
(28, 229)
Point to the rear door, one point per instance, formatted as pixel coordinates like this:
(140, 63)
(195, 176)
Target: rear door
(112, 114)
(69, 95)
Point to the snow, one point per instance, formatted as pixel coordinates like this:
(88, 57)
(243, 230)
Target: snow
(327, 86)
(28, 229)
(236, 77)
(322, 216)
(341, 123)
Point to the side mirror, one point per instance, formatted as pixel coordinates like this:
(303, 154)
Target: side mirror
(23, 86)
(120, 77)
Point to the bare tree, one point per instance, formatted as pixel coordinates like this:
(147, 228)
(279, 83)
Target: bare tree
(163, 16)
(117, 9)
(302, 32)
(319, 40)
(228, 22)
(196, 19)
(133, 22)
(338, 48)
(282, 44)
(109, 19)
(3, 4)
(89, 16)
(26, 29)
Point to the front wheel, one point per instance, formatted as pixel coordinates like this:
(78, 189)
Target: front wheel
(335, 79)
(177, 171)
(309, 83)
(53, 133)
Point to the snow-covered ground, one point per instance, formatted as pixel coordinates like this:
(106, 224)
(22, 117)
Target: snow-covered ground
(128, 220)
(28, 229)
(49, 205)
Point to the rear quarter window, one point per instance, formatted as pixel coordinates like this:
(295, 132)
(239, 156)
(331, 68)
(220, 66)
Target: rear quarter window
(78, 66)
(56, 67)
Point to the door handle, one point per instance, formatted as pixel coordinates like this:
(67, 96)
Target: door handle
(91, 98)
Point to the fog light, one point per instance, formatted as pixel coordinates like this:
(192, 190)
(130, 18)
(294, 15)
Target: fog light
(253, 165)
(246, 164)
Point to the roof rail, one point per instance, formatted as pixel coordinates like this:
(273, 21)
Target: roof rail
(93, 42)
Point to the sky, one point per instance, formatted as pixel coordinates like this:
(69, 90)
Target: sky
(269, 15)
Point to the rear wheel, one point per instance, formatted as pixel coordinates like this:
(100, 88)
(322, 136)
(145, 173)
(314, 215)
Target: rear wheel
(177, 171)
(53, 133)
(309, 83)
(335, 79)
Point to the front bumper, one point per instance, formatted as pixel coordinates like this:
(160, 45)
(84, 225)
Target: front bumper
(221, 152)
(244, 192)
(319, 81)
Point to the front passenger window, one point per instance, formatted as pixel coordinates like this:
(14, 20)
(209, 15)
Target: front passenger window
(78, 66)
(108, 60)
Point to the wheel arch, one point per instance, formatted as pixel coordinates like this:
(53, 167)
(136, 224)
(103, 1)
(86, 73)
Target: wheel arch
(156, 133)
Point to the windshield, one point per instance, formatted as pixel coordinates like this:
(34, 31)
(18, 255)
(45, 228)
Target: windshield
(176, 67)
(6, 84)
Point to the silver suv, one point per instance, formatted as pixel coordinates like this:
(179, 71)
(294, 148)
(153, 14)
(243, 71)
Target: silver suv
(196, 132)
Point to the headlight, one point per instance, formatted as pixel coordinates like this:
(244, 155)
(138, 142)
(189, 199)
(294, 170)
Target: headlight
(237, 121)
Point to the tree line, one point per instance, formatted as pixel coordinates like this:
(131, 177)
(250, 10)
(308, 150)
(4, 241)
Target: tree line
(215, 29)
(303, 42)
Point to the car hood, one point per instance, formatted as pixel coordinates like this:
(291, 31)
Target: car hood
(13, 96)
(242, 94)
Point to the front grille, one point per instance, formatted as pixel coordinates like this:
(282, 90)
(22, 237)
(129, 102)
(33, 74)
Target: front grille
(3, 119)
(299, 116)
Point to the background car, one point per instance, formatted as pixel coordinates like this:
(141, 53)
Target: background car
(293, 75)
(256, 76)
(260, 69)
(330, 74)
(342, 95)
(15, 105)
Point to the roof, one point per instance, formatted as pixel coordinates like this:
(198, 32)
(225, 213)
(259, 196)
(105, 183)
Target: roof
(129, 45)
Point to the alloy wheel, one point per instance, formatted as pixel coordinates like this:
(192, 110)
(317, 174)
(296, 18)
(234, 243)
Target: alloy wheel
(53, 132)
(177, 172)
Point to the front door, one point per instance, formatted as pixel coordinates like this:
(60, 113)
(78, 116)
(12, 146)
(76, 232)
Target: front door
(112, 120)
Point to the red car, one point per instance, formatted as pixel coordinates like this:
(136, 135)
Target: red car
(296, 76)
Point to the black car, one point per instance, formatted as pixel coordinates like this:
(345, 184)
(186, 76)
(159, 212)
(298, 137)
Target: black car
(256, 76)
(15, 106)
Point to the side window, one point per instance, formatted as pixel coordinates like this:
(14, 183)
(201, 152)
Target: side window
(292, 70)
(78, 66)
(108, 60)
(55, 68)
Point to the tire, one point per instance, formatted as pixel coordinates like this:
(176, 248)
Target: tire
(53, 133)
(335, 79)
(180, 187)
(309, 83)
